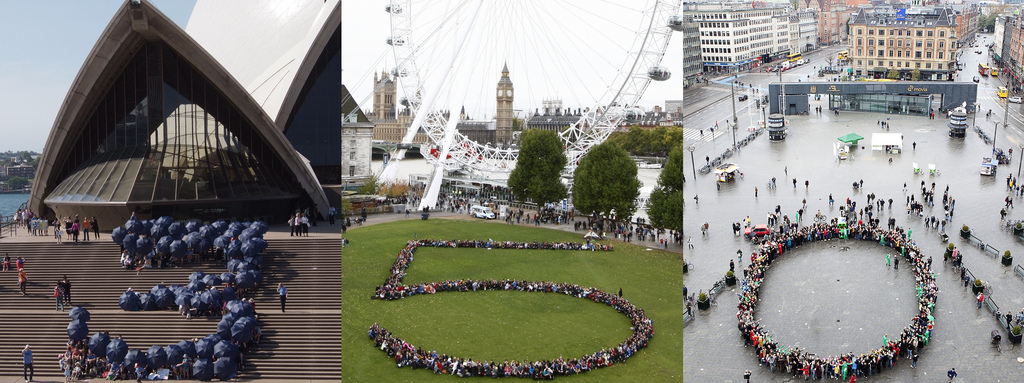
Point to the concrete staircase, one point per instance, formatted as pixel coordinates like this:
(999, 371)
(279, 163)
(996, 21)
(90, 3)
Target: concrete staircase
(303, 343)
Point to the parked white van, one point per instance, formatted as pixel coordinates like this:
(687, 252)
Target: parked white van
(479, 211)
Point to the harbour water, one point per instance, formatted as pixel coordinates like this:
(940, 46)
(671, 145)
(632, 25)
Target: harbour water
(9, 203)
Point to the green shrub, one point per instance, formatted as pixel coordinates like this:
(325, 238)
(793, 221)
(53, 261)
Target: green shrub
(1006, 254)
(951, 247)
(977, 282)
(729, 274)
(1016, 330)
(965, 228)
(702, 297)
(1020, 225)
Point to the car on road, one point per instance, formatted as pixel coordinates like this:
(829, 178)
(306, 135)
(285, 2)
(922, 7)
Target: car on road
(743, 97)
(1015, 99)
(978, 52)
(756, 231)
(976, 78)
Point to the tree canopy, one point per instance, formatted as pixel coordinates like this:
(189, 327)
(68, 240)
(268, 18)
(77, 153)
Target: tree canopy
(605, 183)
(665, 209)
(538, 170)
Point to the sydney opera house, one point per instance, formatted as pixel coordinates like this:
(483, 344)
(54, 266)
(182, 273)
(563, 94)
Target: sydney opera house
(238, 115)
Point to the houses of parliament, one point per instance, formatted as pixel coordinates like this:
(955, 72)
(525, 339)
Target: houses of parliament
(391, 124)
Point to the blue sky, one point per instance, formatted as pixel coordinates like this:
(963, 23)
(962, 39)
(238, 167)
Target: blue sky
(44, 45)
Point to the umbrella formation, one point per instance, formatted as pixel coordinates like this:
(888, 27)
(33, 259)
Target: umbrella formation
(162, 242)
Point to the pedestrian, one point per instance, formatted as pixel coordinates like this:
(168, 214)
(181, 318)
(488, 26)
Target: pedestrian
(755, 191)
(951, 374)
(896, 262)
(67, 290)
(914, 145)
(746, 375)
(981, 299)
(794, 183)
(708, 159)
(22, 281)
(620, 292)
(28, 372)
(58, 295)
(695, 199)
(807, 184)
(888, 259)
(283, 292)
(20, 263)
(689, 242)
(913, 360)
(732, 266)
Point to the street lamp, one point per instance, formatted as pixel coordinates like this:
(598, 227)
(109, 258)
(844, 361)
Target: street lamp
(693, 164)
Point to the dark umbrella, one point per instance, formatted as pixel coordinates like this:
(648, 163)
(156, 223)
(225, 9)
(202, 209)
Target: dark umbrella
(147, 302)
(135, 226)
(204, 348)
(229, 294)
(225, 349)
(79, 313)
(222, 241)
(147, 226)
(225, 368)
(233, 265)
(118, 234)
(178, 248)
(255, 261)
(246, 280)
(241, 331)
(229, 317)
(196, 286)
(144, 245)
(221, 226)
(156, 288)
(240, 308)
(248, 233)
(260, 227)
(212, 280)
(98, 343)
(117, 349)
(196, 275)
(260, 243)
(163, 245)
(183, 297)
(135, 356)
(128, 301)
(174, 353)
(244, 267)
(164, 221)
(130, 243)
(258, 274)
(212, 297)
(224, 327)
(199, 304)
(205, 245)
(176, 230)
(192, 226)
(188, 348)
(158, 231)
(208, 231)
(193, 240)
(202, 370)
(233, 252)
(156, 357)
(78, 330)
(227, 278)
(164, 298)
(249, 250)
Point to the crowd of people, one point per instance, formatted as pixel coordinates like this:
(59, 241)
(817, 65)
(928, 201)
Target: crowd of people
(405, 354)
(797, 361)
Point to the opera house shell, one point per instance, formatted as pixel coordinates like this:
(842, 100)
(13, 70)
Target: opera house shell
(155, 125)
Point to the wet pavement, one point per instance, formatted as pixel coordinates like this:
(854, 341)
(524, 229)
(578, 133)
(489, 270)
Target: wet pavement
(875, 303)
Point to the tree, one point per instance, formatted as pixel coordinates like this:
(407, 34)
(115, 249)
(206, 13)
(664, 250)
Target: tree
(370, 187)
(666, 206)
(605, 183)
(829, 60)
(517, 124)
(17, 182)
(893, 74)
(537, 174)
(915, 75)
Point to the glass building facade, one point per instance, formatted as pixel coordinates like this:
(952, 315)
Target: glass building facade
(164, 141)
(314, 128)
(881, 103)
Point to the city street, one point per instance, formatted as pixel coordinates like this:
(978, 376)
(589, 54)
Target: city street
(833, 301)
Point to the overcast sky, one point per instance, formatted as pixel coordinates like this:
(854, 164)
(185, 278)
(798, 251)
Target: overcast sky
(44, 45)
(571, 50)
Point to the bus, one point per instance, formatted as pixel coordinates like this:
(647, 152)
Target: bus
(1002, 92)
(983, 69)
(844, 55)
(795, 57)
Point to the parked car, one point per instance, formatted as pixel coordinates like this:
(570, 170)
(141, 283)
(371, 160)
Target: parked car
(1015, 99)
(756, 231)
(743, 97)
(976, 78)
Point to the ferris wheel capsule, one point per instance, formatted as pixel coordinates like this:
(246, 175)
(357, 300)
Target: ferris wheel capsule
(659, 73)
(396, 41)
(396, 9)
(675, 22)
(399, 72)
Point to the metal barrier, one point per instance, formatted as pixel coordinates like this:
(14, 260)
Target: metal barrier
(991, 304)
(1020, 270)
(984, 246)
(687, 319)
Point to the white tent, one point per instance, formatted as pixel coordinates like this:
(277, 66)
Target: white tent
(887, 142)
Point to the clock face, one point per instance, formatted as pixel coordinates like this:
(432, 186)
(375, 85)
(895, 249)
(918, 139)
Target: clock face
(499, 92)
(508, 92)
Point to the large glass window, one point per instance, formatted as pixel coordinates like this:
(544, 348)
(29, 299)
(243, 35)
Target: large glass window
(314, 127)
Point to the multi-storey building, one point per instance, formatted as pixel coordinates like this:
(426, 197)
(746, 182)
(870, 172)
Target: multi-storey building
(390, 123)
(736, 37)
(807, 36)
(693, 66)
(884, 39)
(833, 16)
(966, 22)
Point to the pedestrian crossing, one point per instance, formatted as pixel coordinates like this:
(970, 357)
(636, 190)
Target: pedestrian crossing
(694, 134)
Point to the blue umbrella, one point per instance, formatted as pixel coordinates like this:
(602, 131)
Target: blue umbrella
(229, 293)
(178, 248)
(135, 356)
(208, 231)
(246, 280)
(233, 265)
(192, 226)
(128, 301)
(196, 275)
(144, 245)
(156, 288)
(78, 330)
(259, 276)
(241, 331)
(240, 308)
(184, 298)
(147, 226)
(188, 348)
(117, 349)
(176, 230)
(260, 226)
(233, 252)
(196, 286)
(244, 267)
(193, 240)
(79, 313)
(224, 328)
(202, 370)
(147, 302)
(255, 261)
(164, 221)
(249, 250)
(225, 349)
(212, 280)
(199, 304)
(164, 298)
(222, 241)
(205, 245)
(156, 357)
(135, 226)
(98, 343)
(174, 353)
(204, 348)
(227, 278)
(118, 234)
(130, 243)
(260, 243)
(221, 226)
(225, 369)
(230, 318)
(212, 297)
(158, 231)
(248, 233)
(163, 245)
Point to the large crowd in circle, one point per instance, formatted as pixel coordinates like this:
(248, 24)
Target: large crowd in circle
(797, 361)
(405, 354)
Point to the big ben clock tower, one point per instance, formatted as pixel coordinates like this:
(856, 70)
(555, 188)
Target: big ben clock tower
(503, 116)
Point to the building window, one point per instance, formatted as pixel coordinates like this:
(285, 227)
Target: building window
(859, 63)
(942, 33)
(860, 41)
(928, 65)
(871, 62)
(881, 42)
(351, 171)
(940, 65)
(940, 55)
(917, 65)
(899, 53)
(919, 33)
(881, 32)
(890, 54)
(917, 54)
(860, 52)
(931, 33)
(917, 43)
(860, 31)
(929, 44)
(942, 44)
(871, 41)
(928, 54)
(871, 31)
(871, 52)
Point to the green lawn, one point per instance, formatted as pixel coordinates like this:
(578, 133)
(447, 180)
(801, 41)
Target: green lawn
(502, 325)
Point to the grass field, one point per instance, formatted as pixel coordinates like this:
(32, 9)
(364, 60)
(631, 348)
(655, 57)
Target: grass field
(502, 325)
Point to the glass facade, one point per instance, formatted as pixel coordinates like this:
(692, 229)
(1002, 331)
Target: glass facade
(165, 141)
(882, 103)
(314, 128)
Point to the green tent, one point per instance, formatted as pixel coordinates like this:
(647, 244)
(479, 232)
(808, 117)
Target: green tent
(851, 138)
